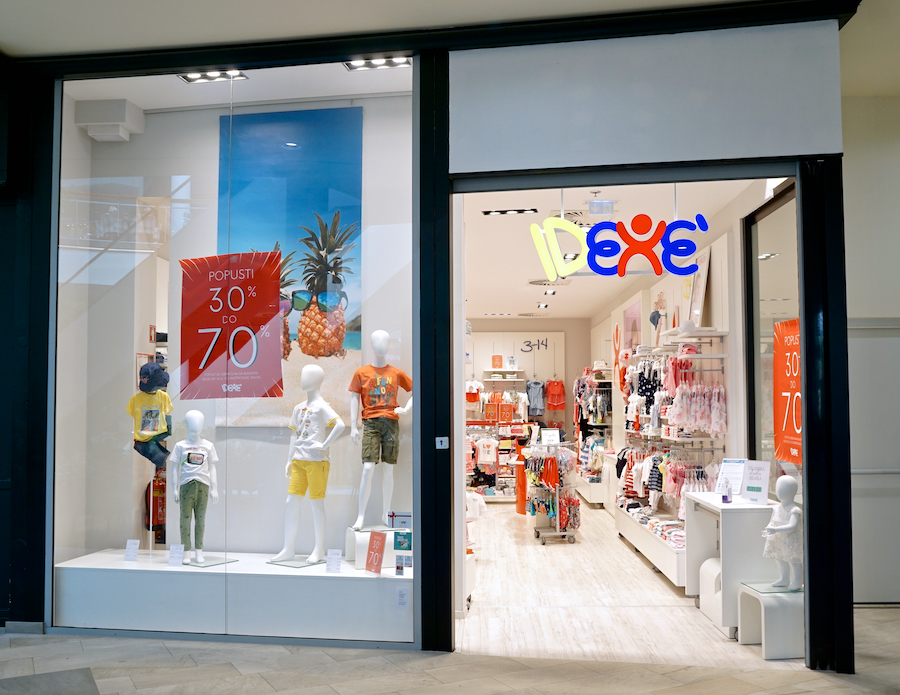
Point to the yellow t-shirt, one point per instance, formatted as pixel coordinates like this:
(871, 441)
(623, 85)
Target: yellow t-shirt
(149, 411)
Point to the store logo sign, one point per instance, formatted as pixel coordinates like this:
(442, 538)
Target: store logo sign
(597, 249)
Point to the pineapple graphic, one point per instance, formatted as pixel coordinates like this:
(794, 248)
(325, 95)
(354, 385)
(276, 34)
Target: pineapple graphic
(321, 330)
(288, 266)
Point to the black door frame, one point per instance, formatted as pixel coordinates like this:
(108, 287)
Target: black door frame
(28, 202)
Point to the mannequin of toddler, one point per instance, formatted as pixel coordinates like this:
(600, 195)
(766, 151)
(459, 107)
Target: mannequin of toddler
(307, 466)
(784, 536)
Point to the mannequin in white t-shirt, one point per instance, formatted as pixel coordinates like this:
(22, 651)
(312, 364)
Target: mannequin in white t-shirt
(315, 425)
(193, 477)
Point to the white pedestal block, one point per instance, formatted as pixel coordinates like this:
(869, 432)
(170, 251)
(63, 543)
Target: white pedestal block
(774, 620)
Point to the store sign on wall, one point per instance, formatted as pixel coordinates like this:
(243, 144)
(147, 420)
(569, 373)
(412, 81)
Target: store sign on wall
(597, 250)
(788, 401)
(231, 326)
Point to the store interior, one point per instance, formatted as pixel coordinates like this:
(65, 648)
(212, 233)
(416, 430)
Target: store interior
(579, 549)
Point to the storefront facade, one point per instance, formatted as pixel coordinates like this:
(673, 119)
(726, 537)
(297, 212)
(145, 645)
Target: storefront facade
(476, 125)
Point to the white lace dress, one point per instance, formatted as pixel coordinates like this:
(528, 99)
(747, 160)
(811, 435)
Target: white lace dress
(787, 547)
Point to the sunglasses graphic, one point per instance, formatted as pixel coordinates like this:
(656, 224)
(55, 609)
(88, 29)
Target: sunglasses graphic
(326, 301)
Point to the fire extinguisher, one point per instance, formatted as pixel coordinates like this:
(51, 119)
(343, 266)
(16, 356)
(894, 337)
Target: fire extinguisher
(155, 497)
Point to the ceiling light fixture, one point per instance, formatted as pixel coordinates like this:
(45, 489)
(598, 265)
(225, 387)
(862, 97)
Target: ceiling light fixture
(496, 314)
(517, 211)
(767, 256)
(543, 306)
(570, 256)
(600, 207)
(550, 292)
(375, 63)
(212, 76)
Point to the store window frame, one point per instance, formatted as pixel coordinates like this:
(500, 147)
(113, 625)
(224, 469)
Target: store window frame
(29, 199)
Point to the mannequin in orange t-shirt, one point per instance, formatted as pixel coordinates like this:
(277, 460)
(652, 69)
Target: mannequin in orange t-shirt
(374, 389)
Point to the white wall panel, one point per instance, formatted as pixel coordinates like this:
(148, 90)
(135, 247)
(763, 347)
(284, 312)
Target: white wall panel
(732, 93)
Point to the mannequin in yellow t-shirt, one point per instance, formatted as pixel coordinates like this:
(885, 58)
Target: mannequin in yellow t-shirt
(152, 413)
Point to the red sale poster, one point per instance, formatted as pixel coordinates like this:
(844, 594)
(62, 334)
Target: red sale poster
(231, 326)
(788, 401)
(375, 553)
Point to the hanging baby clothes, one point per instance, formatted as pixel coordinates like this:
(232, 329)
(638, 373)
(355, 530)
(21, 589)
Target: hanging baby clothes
(535, 391)
(556, 395)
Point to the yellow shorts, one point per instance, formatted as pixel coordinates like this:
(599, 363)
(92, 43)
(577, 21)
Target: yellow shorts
(312, 475)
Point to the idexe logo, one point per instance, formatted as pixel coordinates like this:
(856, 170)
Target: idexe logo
(594, 248)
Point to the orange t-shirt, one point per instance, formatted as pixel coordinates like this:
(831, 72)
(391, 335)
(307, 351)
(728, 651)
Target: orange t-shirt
(378, 388)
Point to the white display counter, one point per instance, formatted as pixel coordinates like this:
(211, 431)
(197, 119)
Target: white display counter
(666, 558)
(247, 597)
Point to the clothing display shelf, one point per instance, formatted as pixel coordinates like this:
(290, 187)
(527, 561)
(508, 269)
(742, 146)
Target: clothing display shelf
(602, 493)
(510, 376)
(493, 429)
(542, 532)
(666, 558)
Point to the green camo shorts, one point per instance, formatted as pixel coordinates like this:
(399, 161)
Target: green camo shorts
(381, 439)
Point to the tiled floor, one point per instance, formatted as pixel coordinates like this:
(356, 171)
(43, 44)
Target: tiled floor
(64, 665)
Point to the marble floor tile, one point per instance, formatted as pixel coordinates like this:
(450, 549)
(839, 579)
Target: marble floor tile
(89, 643)
(716, 686)
(40, 649)
(539, 663)
(476, 686)
(4, 641)
(770, 679)
(126, 652)
(258, 663)
(690, 674)
(386, 684)
(330, 674)
(208, 650)
(478, 669)
(420, 661)
(236, 685)
(312, 690)
(16, 667)
(622, 682)
(878, 614)
(123, 684)
(179, 676)
(867, 657)
(75, 682)
(34, 640)
(544, 675)
(350, 654)
(889, 673)
(129, 669)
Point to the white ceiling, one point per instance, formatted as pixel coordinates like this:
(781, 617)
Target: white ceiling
(501, 257)
(281, 84)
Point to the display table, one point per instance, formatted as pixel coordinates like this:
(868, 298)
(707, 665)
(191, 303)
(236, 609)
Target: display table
(772, 617)
(666, 558)
(731, 533)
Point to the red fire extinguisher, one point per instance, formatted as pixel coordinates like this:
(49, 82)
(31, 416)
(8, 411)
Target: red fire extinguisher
(155, 508)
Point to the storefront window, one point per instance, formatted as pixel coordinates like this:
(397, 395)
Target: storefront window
(234, 354)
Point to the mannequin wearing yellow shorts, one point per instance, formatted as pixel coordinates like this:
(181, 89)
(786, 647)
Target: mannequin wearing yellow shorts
(314, 426)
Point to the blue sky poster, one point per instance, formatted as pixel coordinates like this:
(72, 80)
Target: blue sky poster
(276, 170)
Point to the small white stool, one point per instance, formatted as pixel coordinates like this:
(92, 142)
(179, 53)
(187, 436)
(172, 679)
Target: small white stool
(772, 618)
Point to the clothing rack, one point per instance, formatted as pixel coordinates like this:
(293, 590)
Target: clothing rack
(542, 532)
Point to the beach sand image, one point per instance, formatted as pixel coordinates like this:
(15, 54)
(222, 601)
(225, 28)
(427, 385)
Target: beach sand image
(276, 412)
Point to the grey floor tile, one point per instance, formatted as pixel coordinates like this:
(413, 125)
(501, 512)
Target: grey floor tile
(180, 676)
(207, 650)
(40, 649)
(127, 652)
(690, 674)
(763, 680)
(329, 674)
(386, 684)
(622, 682)
(478, 686)
(236, 685)
(716, 686)
(534, 677)
(420, 661)
(340, 654)
(479, 669)
(122, 684)
(75, 682)
(256, 663)
(129, 669)
(312, 690)
(34, 640)
(16, 667)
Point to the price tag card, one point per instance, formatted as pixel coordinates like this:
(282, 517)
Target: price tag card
(786, 390)
(496, 361)
(402, 597)
(549, 436)
(176, 555)
(407, 560)
(756, 482)
(403, 540)
(733, 471)
(131, 549)
(375, 553)
(231, 325)
(506, 412)
(333, 561)
(399, 566)
(400, 519)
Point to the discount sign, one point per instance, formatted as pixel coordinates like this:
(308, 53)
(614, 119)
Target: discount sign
(788, 401)
(231, 326)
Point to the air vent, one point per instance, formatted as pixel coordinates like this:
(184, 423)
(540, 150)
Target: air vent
(559, 282)
(578, 217)
(535, 314)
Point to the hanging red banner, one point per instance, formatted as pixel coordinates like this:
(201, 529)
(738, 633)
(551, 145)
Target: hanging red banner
(231, 326)
(788, 400)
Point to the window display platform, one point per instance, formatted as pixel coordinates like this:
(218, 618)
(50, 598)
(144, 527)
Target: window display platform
(247, 597)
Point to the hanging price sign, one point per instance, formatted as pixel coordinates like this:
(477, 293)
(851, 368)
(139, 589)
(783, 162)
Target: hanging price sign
(788, 400)
(231, 326)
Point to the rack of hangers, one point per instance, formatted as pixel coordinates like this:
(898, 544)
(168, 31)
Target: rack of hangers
(547, 466)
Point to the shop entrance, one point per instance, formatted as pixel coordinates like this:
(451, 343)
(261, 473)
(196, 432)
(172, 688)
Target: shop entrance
(603, 335)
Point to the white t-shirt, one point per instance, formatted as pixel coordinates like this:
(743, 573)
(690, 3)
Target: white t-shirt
(487, 450)
(193, 459)
(311, 422)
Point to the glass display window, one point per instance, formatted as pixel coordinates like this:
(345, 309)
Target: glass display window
(234, 354)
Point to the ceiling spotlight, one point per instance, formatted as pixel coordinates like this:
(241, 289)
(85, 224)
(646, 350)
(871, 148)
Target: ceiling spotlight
(212, 76)
(357, 63)
(399, 60)
(378, 61)
(512, 212)
(232, 73)
(550, 292)
(767, 256)
(492, 212)
(570, 256)
(518, 211)
(543, 306)
(194, 75)
(213, 73)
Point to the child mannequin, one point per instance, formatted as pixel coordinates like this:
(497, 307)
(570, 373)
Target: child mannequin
(784, 535)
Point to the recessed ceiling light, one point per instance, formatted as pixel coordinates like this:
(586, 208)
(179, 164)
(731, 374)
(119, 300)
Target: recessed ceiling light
(496, 314)
(570, 256)
(378, 61)
(767, 256)
(399, 60)
(517, 211)
(543, 306)
(357, 63)
(780, 299)
(212, 76)
(550, 292)
(375, 63)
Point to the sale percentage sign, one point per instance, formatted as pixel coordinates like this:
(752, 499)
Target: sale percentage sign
(264, 330)
(251, 290)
